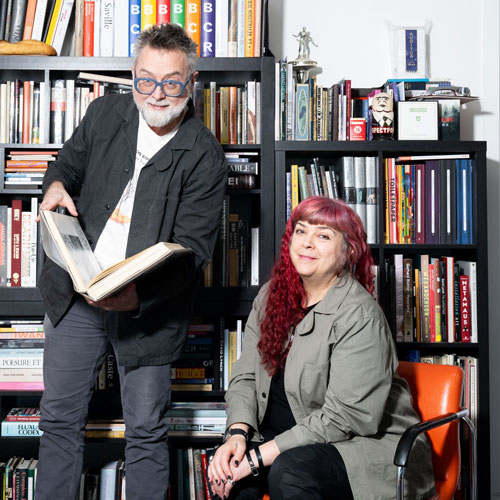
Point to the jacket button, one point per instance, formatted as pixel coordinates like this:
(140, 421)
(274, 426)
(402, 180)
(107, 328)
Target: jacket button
(91, 242)
(107, 207)
(264, 395)
(126, 170)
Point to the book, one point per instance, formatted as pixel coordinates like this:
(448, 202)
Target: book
(108, 482)
(17, 20)
(449, 119)
(65, 243)
(29, 19)
(21, 429)
(62, 25)
(104, 78)
(432, 157)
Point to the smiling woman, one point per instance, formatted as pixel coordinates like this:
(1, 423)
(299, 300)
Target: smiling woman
(315, 404)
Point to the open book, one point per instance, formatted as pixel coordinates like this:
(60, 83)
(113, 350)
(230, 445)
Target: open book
(65, 243)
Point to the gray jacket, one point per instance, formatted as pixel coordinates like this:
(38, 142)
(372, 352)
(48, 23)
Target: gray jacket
(342, 387)
(178, 199)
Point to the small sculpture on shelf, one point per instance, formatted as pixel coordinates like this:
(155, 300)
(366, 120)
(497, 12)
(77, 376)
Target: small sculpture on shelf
(303, 66)
(382, 116)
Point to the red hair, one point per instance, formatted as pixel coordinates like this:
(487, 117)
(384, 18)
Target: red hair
(286, 293)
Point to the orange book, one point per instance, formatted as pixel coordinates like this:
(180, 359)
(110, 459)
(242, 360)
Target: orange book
(88, 28)
(193, 9)
(26, 164)
(29, 20)
(26, 112)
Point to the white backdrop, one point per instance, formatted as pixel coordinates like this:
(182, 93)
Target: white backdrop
(353, 43)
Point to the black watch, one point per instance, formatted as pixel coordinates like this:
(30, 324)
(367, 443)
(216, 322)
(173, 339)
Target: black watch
(233, 432)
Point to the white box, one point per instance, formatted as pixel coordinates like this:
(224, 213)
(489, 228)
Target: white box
(417, 120)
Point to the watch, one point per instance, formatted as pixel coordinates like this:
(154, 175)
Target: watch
(233, 432)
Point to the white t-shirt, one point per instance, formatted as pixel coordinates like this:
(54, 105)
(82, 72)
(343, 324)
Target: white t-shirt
(112, 243)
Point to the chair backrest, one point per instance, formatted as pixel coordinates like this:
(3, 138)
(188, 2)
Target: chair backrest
(437, 390)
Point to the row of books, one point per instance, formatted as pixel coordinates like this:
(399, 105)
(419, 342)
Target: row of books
(310, 111)
(431, 299)
(236, 257)
(20, 255)
(231, 113)
(48, 112)
(21, 355)
(430, 200)
(26, 168)
(18, 478)
(353, 179)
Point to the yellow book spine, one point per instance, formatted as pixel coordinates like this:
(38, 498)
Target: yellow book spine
(53, 22)
(295, 186)
(148, 13)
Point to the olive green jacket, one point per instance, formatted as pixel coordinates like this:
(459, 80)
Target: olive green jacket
(342, 386)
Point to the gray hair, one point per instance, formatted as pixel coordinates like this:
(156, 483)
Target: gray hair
(167, 37)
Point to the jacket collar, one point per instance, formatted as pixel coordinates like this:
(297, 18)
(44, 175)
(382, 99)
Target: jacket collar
(330, 303)
(185, 138)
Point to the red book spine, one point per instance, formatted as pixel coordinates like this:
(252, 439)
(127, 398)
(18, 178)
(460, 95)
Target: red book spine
(162, 11)
(88, 28)
(465, 308)
(26, 112)
(348, 109)
(432, 301)
(15, 273)
(204, 467)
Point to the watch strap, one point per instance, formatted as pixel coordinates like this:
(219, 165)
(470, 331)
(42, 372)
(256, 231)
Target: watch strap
(253, 469)
(234, 432)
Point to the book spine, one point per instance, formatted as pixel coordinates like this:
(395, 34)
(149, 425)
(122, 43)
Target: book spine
(407, 300)
(53, 21)
(3, 246)
(134, 24)
(177, 12)
(62, 25)
(372, 205)
(57, 112)
(148, 14)
(29, 19)
(162, 12)
(107, 27)
(16, 235)
(465, 312)
(17, 21)
(398, 269)
(207, 38)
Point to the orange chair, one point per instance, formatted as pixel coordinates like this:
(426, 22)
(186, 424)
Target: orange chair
(436, 391)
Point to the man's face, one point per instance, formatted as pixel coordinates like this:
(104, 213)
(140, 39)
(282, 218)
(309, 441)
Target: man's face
(160, 112)
(382, 103)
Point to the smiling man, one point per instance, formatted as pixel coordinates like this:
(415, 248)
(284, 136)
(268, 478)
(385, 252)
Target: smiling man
(144, 169)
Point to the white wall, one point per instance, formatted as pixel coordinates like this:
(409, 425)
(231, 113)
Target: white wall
(353, 43)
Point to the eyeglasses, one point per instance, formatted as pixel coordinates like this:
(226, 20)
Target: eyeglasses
(171, 88)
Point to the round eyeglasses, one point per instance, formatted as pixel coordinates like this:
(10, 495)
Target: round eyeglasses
(171, 88)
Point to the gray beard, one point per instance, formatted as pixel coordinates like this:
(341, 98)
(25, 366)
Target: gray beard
(164, 117)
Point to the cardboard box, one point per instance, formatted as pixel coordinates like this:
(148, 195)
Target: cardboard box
(417, 120)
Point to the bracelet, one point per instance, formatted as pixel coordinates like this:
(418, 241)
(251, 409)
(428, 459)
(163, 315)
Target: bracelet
(253, 469)
(259, 458)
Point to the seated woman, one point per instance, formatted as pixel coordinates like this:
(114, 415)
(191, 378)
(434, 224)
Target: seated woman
(315, 405)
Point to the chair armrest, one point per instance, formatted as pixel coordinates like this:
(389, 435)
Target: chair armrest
(407, 439)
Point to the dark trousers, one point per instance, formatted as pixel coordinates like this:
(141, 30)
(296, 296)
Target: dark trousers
(311, 472)
(74, 353)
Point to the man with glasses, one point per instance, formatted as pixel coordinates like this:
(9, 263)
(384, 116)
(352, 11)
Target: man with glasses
(143, 169)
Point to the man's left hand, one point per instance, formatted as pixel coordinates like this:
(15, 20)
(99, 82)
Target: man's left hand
(125, 300)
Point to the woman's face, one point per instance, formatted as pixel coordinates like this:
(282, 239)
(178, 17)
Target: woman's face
(315, 251)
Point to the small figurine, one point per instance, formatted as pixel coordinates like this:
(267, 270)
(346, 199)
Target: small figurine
(382, 116)
(304, 38)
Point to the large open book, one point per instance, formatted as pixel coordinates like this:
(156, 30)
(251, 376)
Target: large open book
(65, 243)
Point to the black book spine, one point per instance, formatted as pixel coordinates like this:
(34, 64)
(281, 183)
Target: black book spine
(17, 20)
(3, 18)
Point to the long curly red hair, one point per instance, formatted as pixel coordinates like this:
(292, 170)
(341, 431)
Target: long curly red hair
(286, 294)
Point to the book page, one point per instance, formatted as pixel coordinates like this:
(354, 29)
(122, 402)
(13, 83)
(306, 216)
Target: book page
(72, 247)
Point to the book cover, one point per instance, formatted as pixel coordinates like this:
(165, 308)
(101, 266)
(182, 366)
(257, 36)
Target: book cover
(57, 111)
(121, 28)
(192, 21)
(432, 201)
(29, 19)
(448, 202)
(53, 21)
(399, 297)
(465, 309)
(62, 25)
(108, 480)
(3, 245)
(348, 183)
(407, 300)
(449, 119)
(360, 187)
(177, 12)
(16, 235)
(468, 268)
(107, 29)
(65, 243)
(148, 13)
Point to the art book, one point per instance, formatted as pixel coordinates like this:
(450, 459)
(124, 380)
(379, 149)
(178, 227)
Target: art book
(65, 243)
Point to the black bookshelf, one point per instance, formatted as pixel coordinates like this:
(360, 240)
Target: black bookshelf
(288, 152)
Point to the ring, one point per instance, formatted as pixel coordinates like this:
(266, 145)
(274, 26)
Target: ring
(230, 481)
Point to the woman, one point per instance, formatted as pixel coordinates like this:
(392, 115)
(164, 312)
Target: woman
(315, 388)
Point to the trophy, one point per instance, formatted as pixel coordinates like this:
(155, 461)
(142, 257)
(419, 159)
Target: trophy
(303, 66)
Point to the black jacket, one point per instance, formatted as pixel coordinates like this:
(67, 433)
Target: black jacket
(178, 198)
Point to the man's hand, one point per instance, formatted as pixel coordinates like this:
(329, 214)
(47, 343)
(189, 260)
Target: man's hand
(57, 196)
(125, 300)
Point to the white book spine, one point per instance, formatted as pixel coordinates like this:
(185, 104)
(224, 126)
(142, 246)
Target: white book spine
(221, 28)
(69, 120)
(254, 256)
(240, 34)
(450, 294)
(360, 186)
(25, 249)
(41, 8)
(107, 27)
(4, 114)
(371, 164)
(213, 107)
(44, 112)
(62, 25)
(257, 113)
(97, 28)
(120, 29)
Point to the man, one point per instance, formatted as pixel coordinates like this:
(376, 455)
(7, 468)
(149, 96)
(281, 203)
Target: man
(144, 169)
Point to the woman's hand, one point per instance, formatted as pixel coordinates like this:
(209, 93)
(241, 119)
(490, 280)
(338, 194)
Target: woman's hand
(224, 468)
